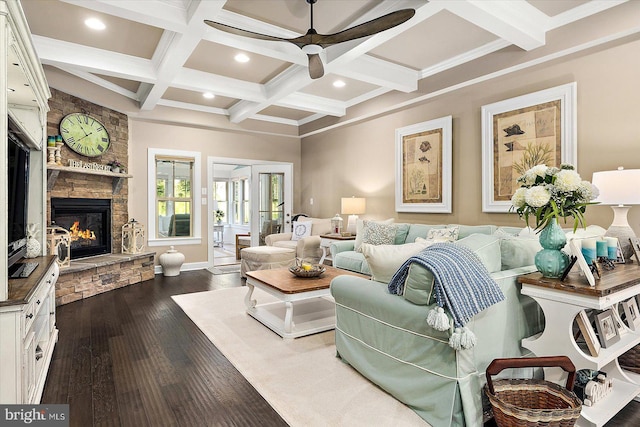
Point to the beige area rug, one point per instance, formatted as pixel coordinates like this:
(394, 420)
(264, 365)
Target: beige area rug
(224, 269)
(302, 379)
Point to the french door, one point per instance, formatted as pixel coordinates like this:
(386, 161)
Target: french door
(271, 200)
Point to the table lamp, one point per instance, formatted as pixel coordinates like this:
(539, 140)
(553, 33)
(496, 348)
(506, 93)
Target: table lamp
(619, 188)
(353, 206)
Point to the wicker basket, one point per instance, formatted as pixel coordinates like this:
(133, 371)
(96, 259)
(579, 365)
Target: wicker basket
(531, 402)
(630, 360)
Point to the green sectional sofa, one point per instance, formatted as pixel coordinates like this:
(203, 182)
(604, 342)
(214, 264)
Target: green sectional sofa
(387, 339)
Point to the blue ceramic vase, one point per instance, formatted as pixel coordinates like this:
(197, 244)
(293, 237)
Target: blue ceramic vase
(551, 261)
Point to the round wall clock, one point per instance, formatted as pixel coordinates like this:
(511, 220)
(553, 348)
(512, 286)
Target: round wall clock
(84, 134)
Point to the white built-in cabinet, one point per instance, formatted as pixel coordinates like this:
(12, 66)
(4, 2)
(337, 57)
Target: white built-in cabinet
(27, 306)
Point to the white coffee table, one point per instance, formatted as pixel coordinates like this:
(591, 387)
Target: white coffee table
(304, 305)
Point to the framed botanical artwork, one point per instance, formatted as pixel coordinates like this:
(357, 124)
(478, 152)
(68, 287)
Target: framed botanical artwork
(588, 333)
(606, 326)
(423, 167)
(519, 133)
(631, 314)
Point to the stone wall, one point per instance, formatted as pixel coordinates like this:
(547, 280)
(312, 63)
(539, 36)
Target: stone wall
(91, 276)
(94, 275)
(70, 185)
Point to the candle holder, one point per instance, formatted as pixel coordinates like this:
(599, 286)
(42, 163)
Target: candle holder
(52, 155)
(59, 153)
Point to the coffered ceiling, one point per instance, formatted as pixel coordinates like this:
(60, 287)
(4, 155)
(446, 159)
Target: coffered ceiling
(160, 52)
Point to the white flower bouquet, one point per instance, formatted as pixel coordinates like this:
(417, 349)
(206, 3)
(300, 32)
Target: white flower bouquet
(550, 192)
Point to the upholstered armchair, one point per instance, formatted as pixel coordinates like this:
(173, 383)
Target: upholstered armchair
(306, 245)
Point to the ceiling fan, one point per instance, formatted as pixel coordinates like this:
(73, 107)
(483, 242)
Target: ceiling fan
(312, 43)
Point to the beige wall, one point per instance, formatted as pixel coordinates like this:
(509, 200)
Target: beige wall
(359, 159)
(144, 135)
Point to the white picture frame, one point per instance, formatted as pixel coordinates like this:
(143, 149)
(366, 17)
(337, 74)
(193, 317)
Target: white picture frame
(588, 333)
(606, 326)
(424, 149)
(575, 248)
(510, 116)
(631, 313)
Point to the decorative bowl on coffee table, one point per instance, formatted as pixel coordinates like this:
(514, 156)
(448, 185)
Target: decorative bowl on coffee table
(315, 270)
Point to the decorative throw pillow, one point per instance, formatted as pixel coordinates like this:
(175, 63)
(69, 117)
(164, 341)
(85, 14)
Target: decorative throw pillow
(375, 233)
(385, 260)
(301, 229)
(449, 234)
(360, 231)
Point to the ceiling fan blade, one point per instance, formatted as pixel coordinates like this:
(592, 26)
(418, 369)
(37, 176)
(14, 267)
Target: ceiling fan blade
(368, 28)
(316, 69)
(240, 32)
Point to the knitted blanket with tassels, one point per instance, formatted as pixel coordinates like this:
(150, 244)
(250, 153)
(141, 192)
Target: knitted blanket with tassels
(462, 283)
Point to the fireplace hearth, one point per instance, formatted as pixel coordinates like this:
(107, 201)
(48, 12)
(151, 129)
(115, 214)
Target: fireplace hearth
(88, 221)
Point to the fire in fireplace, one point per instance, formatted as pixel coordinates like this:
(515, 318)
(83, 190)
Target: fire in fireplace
(88, 222)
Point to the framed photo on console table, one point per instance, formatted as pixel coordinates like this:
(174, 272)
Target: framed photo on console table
(631, 314)
(423, 167)
(606, 326)
(522, 132)
(588, 333)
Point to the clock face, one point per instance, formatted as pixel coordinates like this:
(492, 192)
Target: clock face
(84, 134)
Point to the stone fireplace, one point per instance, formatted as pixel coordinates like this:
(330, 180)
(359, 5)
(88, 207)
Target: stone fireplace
(98, 202)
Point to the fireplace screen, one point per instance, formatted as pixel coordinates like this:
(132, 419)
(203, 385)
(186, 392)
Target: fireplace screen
(88, 222)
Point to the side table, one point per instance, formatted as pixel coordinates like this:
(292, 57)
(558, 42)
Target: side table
(561, 302)
(325, 244)
(218, 236)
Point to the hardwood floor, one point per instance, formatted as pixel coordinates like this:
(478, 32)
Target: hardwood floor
(131, 357)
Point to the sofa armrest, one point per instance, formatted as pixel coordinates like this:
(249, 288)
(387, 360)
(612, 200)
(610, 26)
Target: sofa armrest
(307, 245)
(342, 246)
(278, 237)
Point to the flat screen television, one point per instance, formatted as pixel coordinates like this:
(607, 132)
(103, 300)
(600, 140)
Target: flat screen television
(18, 198)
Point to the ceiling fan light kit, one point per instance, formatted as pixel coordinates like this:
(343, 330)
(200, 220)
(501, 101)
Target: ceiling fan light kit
(313, 43)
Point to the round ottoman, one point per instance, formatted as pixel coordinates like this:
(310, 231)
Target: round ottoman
(265, 258)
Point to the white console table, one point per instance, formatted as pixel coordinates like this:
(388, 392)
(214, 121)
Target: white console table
(561, 302)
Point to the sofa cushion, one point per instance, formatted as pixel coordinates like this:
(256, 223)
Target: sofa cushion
(418, 287)
(301, 229)
(401, 234)
(467, 230)
(352, 261)
(449, 234)
(360, 231)
(518, 251)
(319, 225)
(419, 230)
(385, 260)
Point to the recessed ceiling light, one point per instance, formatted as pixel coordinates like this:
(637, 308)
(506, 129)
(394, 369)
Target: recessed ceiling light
(339, 83)
(241, 57)
(95, 24)
(208, 95)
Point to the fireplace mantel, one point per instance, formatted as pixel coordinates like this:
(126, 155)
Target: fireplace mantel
(54, 170)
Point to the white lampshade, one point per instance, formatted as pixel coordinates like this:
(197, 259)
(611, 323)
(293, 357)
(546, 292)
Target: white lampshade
(353, 206)
(619, 189)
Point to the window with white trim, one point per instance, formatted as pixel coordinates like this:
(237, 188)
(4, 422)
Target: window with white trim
(174, 182)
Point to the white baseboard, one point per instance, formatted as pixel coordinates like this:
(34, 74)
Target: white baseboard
(185, 267)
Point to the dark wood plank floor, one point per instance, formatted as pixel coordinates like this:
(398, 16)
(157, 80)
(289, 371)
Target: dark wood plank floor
(131, 357)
